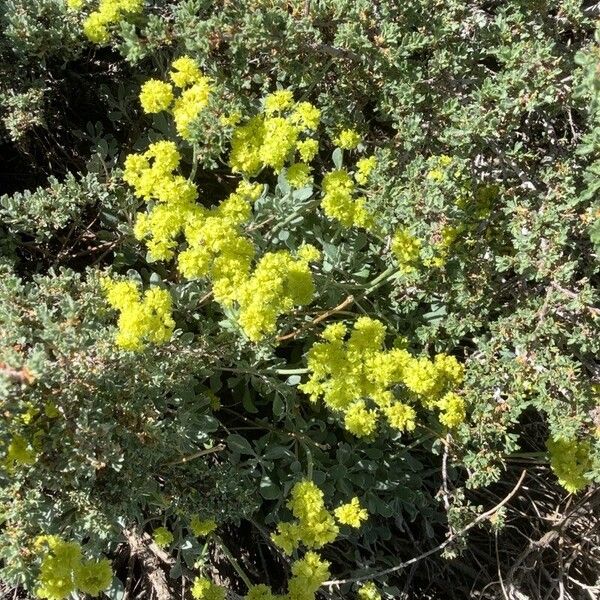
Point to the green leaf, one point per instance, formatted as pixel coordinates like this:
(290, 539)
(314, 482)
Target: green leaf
(268, 489)
(239, 444)
(338, 158)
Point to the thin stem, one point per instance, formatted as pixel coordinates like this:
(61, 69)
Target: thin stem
(482, 517)
(195, 150)
(381, 280)
(234, 563)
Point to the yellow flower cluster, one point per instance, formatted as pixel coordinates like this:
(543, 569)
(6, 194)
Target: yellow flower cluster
(272, 138)
(278, 283)
(216, 246)
(406, 249)
(440, 167)
(205, 589)
(308, 575)
(349, 373)
(570, 460)
(347, 139)
(162, 537)
(314, 526)
(152, 176)
(96, 25)
(19, 452)
(351, 514)
(64, 571)
(157, 96)
(364, 168)
(146, 318)
(338, 201)
(368, 591)
(201, 527)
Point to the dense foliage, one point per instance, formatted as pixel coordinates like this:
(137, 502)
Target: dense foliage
(288, 290)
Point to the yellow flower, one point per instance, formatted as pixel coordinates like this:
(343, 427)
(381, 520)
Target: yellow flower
(407, 250)
(348, 139)
(279, 142)
(307, 149)
(306, 116)
(401, 416)
(246, 143)
(298, 175)
(141, 319)
(278, 101)
(185, 72)
(162, 537)
(314, 526)
(360, 421)
(93, 576)
(364, 168)
(570, 460)
(453, 410)
(205, 589)
(95, 28)
(351, 514)
(189, 105)
(368, 591)
(20, 452)
(202, 528)
(156, 96)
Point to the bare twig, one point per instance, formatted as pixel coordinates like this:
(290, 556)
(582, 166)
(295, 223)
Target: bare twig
(482, 517)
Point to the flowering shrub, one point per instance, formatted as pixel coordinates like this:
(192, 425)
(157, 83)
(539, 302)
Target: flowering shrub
(327, 276)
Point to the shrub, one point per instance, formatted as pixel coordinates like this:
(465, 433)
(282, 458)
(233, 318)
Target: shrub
(390, 209)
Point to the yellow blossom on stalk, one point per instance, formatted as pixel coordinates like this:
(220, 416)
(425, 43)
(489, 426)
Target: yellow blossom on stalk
(246, 144)
(309, 574)
(205, 589)
(216, 247)
(356, 377)
(351, 514)
(298, 175)
(185, 72)
(189, 105)
(306, 115)
(141, 319)
(202, 527)
(359, 420)
(406, 249)
(109, 12)
(278, 283)
(162, 537)
(95, 28)
(278, 101)
(453, 410)
(156, 96)
(93, 576)
(279, 143)
(307, 149)
(364, 168)
(338, 201)
(368, 591)
(63, 571)
(19, 452)
(570, 460)
(314, 526)
(261, 592)
(401, 416)
(347, 139)
(308, 253)
(75, 4)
